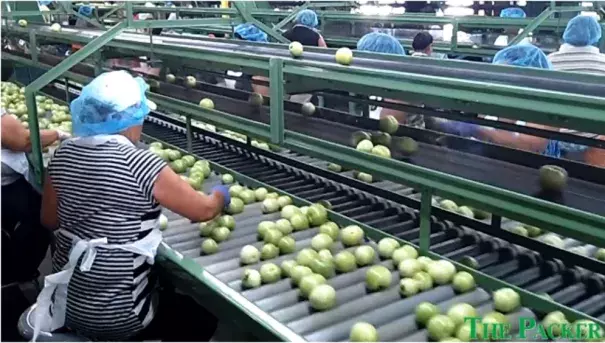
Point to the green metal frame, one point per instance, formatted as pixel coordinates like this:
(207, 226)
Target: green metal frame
(578, 112)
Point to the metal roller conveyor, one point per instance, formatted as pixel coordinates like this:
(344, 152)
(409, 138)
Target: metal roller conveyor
(539, 79)
(387, 310)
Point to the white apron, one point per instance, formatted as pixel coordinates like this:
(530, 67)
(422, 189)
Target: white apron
(49, 315)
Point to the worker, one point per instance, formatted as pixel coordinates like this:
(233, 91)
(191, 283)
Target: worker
(422, 44)
(578, 53)
(513, 13)
(305, 31)
(248, 32)
(103, 196)
(25, 239)
(527, 55)
(386, 44)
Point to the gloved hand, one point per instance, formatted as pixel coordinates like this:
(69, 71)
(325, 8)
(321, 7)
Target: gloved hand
(224, 191)
(553, 149)
(63, 135)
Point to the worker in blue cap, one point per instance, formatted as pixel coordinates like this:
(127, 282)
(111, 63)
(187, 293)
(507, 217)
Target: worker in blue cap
(251, 33)
(387, 44)
(527, 55)
(103, 198)
(305, 31)
(579, 53)
(511, 13)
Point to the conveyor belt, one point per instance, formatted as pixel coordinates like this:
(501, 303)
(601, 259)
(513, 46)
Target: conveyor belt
(579, 194)
(387, 310)
(517, 266)
(549, 81)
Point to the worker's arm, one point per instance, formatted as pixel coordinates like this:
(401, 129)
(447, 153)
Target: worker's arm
(48, 214)
(321, 42)
(595, 156)
(402, 117)
(16, 137)
(514, 139)
(261, 89)
(175, 194)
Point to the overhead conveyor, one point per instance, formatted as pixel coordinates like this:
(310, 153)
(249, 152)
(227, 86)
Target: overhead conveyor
(398, 204)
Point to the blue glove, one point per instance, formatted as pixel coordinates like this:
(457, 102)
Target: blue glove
(85, 10)
(553, 149)
(224, 191)
(459, 128)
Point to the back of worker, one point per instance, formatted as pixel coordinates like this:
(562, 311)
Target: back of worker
(304, 31)
(579, 53)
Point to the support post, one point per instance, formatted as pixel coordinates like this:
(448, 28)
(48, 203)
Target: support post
(189, 135)
(532, 26)
(276, 87)
(425, 220)
(33, 45)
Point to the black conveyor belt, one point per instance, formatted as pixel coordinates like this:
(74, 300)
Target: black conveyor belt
(579, 194)
(387, 310)
(550, 80)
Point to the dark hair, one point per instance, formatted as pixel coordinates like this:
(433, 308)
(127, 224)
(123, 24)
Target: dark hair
(422, 40)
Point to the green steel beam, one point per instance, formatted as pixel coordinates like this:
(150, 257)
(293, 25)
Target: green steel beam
(36, 85)
(94, 23)
(276, 87)
(164, 23)
(291, 16)
(537, 21)
(110, 12)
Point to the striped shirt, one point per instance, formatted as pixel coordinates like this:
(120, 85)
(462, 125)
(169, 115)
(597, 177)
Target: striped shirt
(581, 59)
(106, 191)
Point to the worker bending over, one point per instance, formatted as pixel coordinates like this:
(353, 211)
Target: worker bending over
(512, 13)
(103, 196)
(248, 32)
(579, 53)
(386, 44)
(305, 31)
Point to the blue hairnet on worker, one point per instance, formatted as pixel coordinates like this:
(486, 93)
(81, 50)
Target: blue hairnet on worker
(582, 30)
(45, 2)
(111, 103)
(307, 18)
(250, 32)
(381, 43)
(522, 55)
(85, 10)
(512, 12)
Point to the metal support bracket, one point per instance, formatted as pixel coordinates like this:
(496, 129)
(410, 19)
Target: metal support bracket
(276, 87)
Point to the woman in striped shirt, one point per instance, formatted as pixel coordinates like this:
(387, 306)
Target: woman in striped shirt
(103, 196)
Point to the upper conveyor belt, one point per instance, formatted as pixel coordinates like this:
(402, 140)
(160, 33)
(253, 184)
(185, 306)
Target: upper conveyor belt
(587, 85)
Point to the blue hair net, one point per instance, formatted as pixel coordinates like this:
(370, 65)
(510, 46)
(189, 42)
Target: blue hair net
(522, 55)
(45, 2)
(582, 30)
(109, 104)
(512, 12)
(307, 18)
(251, 33)
(380, 42)
(85, 10)
(555, 148)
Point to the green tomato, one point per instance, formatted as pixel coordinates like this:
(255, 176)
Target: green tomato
(387, 246)
(269, 251)
(251, 279)
(323, 267)
(408, 287)
(260, 193)
(322, 297)
(272, 236)
(227, 221)
(363, 332)
(440, 327)
(331, 229)
(378, 277)
(286, 267)
(425, 311)
(351, 235)
(425, 282)
(309, 282)
(321, 241)
(407, 268)
(459, 312)
(227, 179)
(345, 262)
(207, 227)
(220, 233)
(317, 215)
(263, 227)
(209, 246)
(284, 226)
(463, 282)
(174, 155)
(365, 255)
(247, 196)
(306, 256)
(298, 272)
(189, 160)
(270, 273)
(284, 200)
(506, 300)
(236, 206)
(287, 245)
(270, 205)
(249, 255)
(299, 222)
(289, 210)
